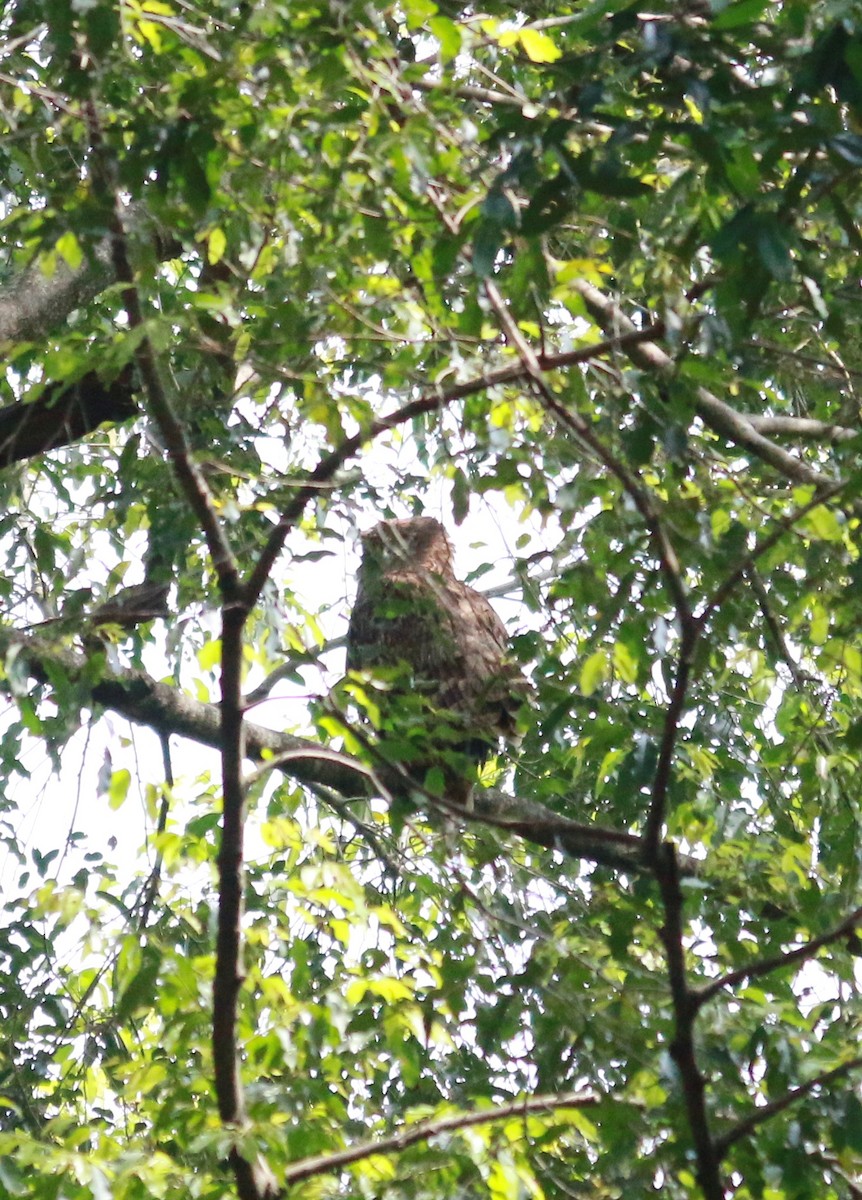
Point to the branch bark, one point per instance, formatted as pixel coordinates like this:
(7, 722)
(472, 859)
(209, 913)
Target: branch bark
(63, 415)
(720, 417)
(682, 1047)
(322, 1164)
(165, 709)
(32, 303)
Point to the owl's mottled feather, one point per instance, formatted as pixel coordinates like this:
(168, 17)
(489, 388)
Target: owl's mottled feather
(438, 640)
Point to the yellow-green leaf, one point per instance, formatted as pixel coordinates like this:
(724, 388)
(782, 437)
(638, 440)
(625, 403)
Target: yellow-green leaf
(209, 655)
(118, 788)
(822, 523)
(594, 672)
(625, 664)
(819, 630)
(69, 250)
(216, 246)
(538, 47)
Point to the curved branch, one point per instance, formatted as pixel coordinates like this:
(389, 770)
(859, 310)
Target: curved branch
(783, 526)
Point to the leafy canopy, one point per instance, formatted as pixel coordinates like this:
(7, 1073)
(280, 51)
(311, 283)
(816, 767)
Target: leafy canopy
(582, 280)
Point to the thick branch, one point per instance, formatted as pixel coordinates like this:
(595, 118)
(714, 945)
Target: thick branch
(799, 427)
(165, 709)
(62, 415)
(31, 303)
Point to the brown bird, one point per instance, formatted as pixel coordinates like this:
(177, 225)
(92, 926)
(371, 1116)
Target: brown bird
(452, 691)
(133, 605)
(127, 608)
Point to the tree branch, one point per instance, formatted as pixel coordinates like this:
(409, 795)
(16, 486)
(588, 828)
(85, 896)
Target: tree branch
(799, 427)
(765, 966)
(719, 416)
(62, 415)
(670, 732)
(682, 1049)
(665, 550)
(32, 303)
(324, 1164)
(767, 1111)
(139, 698)
(189, 476)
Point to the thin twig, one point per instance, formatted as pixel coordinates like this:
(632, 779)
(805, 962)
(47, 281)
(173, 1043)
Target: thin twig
(151, 887)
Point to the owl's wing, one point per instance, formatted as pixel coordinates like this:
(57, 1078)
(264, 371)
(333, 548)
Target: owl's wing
(399, 620)
(485, 683)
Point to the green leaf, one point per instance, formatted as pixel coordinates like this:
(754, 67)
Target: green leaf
(448, 35)
(487, 243)
(139, 994)
(118, 788)
(739, 13)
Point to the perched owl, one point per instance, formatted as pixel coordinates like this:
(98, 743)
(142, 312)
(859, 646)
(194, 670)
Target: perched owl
(451, 692)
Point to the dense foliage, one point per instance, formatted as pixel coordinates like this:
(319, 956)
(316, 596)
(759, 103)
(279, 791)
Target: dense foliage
(582, 280)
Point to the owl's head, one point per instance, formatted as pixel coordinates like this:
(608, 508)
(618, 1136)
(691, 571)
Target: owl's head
(419, 542)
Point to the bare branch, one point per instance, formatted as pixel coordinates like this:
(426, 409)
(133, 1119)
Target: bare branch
(714, 412)
(631, 485)
(467, 91)
(767, 1111)
(775, 962)
(423, 1131)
